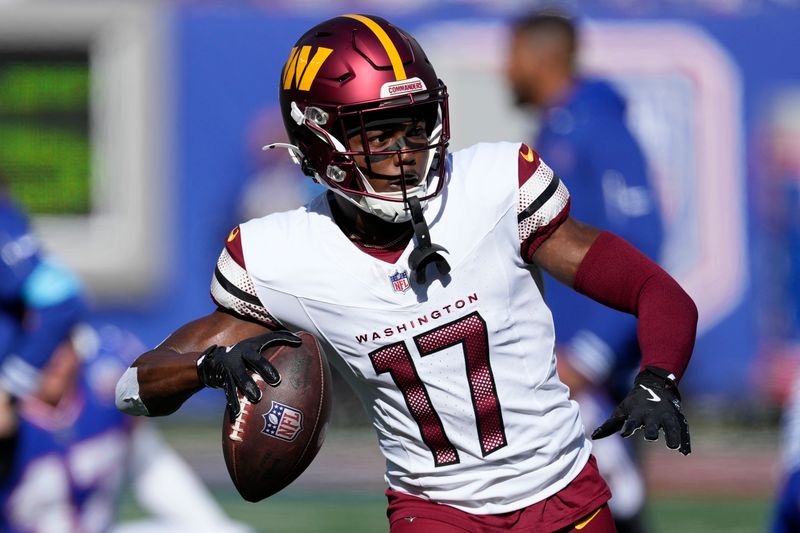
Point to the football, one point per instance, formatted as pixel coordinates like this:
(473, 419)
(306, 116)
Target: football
(273, 441)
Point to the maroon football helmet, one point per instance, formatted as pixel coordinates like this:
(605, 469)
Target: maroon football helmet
(342, 76)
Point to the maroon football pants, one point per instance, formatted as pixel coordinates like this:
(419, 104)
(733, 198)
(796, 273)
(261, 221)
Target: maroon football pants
(599, 521)
(580, 506)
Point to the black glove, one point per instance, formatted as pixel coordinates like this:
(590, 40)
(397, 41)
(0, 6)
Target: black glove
(654, 403)
(229, 369)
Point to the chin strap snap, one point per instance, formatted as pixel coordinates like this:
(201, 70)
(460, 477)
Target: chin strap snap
(426, 252)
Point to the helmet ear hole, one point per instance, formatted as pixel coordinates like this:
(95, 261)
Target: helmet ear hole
(336, 174)
(316, 115)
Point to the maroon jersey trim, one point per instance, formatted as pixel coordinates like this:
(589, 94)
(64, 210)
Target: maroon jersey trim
(535, 239)
(234, 246)
(527, 163)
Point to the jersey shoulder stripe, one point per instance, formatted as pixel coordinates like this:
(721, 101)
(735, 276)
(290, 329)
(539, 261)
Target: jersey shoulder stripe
(233, 289)
(532, 243)
(542, 201)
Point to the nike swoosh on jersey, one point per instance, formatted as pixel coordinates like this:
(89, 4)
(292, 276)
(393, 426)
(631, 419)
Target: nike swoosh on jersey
(527, 156)
(653, 396)
(232, 235)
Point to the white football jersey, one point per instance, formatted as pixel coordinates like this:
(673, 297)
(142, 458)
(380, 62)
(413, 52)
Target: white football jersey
(458, 375)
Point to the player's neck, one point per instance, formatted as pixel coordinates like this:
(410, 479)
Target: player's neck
(366, 229)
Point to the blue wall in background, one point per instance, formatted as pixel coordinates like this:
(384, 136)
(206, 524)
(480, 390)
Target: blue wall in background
(227, 62)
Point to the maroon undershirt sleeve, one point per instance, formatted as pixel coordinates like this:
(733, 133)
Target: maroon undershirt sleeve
(616, 274)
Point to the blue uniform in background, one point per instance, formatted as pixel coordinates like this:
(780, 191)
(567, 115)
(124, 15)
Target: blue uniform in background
(787, 514)
(585, 140)
(62, 469)
(40, 295)
(69, 461)
(787, 511)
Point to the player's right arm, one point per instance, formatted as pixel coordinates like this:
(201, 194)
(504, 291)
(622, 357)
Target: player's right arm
(159, 381)
(220, 350)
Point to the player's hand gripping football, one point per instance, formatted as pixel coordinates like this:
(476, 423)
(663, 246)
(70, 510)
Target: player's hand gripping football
(654, 403)
(229, 368)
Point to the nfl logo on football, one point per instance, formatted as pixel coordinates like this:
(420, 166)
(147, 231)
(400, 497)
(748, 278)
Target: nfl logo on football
(283, 422)
(399, 281)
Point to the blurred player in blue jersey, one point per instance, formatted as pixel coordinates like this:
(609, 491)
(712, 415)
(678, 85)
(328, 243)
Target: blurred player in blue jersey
(37, 293)
(40, 302)
(75, 451)
(584, 136)
(787, 512)
(65, 450)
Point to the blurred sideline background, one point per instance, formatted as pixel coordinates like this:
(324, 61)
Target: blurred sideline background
(132, 132)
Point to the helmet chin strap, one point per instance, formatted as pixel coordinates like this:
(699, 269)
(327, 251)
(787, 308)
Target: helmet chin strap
(426, 252)
(392, 207)
(294, 151)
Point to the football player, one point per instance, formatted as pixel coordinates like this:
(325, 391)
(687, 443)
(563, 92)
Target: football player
(65, 450)
(74, 451)
(40, 301)
(38, 293)
(583, 136)
(419, 272)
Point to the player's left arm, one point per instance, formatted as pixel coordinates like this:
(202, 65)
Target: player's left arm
(617, 195)
(609, 270)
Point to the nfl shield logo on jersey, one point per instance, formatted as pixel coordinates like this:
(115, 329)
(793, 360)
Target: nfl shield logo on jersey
(283, 422)
(399, 281)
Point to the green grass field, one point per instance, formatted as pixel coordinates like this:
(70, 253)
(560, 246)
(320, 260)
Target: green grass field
(724, 486)
(354, 512)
